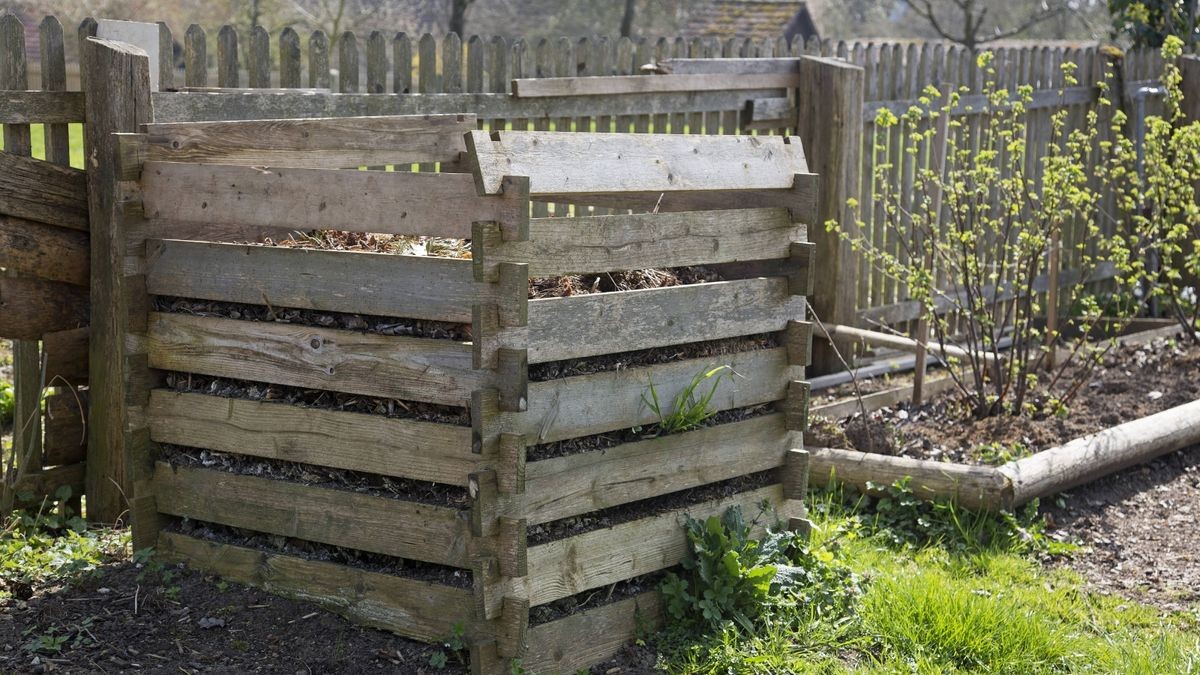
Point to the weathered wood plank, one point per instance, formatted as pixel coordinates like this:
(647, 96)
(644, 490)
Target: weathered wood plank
(801, 199)
(555, 647)
(769, 113)
(304, 199)
(558, 163)
(616, 85)
(594, 404)
(250, 104)
(66, 433)
(380, 284)
(416, 609)
(418, 369)
(563, 487)
(43, 192)
(575, 564)
(336, 517)
(560, 246)
(314, 143)
(30, 308)
(573, 327)
(40, 107)
(34, 250)
(425, 451)
(66, 356)
(729, 66)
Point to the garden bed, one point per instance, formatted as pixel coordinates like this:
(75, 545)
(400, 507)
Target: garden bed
(949, 453)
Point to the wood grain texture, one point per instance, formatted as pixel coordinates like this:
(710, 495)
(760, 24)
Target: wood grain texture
(41, 107)
(561, 163)
(563, 487)
(615, 85)
(65, 440)
(561, 246)
(575, 564)
(337, 517)
(972, 486)
(48, 481)
(30, 308)
(572, 327)
(251, 104)
(415, 609)
(405, 448)
(729, 66)
(43, 192)
(117, 82)
(800, 199)
(34, 250)
(316, 143)
(556, 647)
(594, 404)
(66, 356)
(418, 369)
(441, 205)
(380, 284)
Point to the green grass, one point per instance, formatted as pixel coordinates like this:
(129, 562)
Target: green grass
(37, 134)
(948, 607)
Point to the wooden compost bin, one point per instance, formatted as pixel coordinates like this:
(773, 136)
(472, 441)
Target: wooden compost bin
(733, 204)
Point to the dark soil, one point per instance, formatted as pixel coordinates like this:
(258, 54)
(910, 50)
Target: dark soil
(126, 619)
(1142, 527)
(1133, 382)
(597, 597)
(554, 370)
(607, 282)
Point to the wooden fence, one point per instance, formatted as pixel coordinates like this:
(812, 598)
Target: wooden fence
(284, 76)
(737, 205)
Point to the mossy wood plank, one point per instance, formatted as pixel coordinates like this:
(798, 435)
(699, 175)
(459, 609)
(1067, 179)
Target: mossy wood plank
(419, 369)
(379, 284)
(33, 250)
(565, 163)
(555, 647)
(425, 451)
(401, 202)
(314, 143)
(415, 609)
(562, 487)
(30, 308)
(328, 516)
(606, 323)
(594, 404)
(575, 564)
(561, 246)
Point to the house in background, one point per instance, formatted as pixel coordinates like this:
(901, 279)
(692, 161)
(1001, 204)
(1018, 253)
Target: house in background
(755, 19)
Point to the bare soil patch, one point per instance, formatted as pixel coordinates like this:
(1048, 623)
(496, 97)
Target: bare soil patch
(1133, 382)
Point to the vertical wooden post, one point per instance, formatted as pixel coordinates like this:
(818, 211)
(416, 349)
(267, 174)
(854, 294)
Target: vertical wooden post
(830, 125)
(116, 81)
(1189, 67)
(27, 359)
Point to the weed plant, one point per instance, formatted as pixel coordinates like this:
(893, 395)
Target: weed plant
(690, 409)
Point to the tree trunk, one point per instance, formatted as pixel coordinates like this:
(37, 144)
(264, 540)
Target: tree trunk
(627, 18)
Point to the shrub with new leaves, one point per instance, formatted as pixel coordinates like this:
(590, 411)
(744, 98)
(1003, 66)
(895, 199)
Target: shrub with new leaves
(1166, 217)
(975, 234)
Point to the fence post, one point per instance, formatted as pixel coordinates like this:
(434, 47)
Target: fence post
(1189, 67)
(830, 124)
(116, 80)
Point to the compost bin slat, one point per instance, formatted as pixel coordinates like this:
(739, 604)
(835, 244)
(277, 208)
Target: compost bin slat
(30, 249)
(43, 192)
(407, 448)
(437, 289)
(442, 205)
(420, 369)
(324, 515)
(555, 647)
(416, 609)
(594, 404)
(567, 328)
(562, 487)
(30, 308)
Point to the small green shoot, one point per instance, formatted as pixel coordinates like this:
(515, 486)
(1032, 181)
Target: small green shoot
(687, 411)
